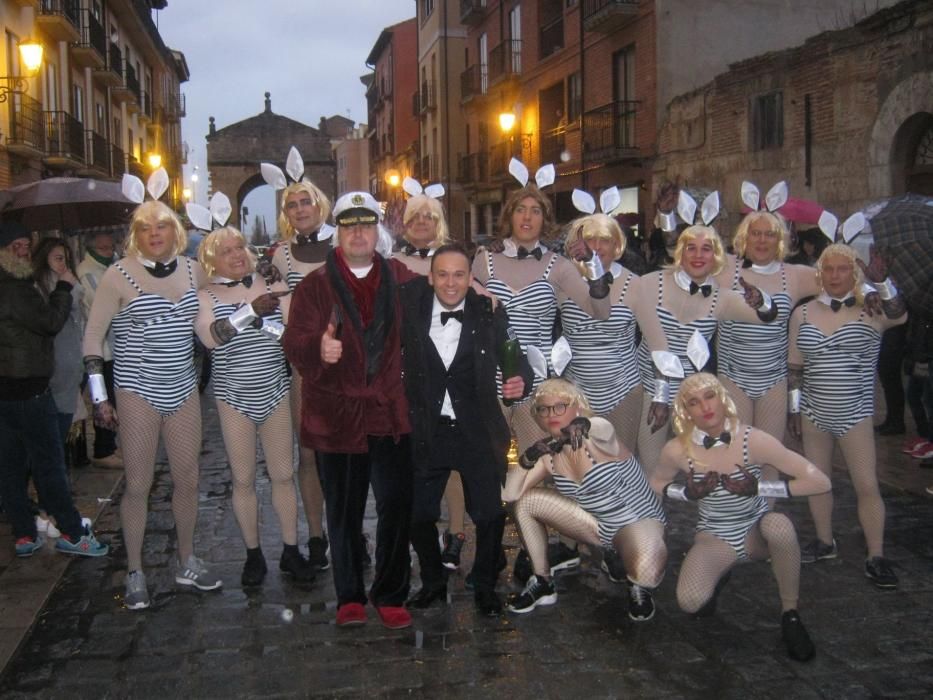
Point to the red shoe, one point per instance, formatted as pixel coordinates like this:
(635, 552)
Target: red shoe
(351, 615)
(911, 445)
(393, 617)
(923, 451)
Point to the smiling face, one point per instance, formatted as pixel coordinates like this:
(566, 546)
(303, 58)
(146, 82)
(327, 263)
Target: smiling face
(450, 276)
(527, 221)
(421, 227)
(155, 239)
(231, 258)
(302, 213)
(699, 257)
(837, 275)
(706, 409)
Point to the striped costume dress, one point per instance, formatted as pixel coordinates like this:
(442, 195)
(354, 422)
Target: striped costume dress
(678, 336)
(531, 311)
(603, 363)
(153, 349)
(292, 277)
(616, 493)
(754, 356)
(727, 515)
(249, 371)
(838, 373)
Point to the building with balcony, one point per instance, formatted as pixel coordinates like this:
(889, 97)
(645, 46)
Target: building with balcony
(105, 99)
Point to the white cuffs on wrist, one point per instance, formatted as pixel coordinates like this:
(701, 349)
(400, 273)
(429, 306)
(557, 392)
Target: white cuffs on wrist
(773, 489)
(97, 388)
(793, 401)
(243, 317)
(886, 289)
(765, 302)
(676, 492)
(662, 391)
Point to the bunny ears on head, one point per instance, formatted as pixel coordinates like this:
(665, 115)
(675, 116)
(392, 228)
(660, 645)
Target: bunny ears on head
(413, 188)
(135, 191)
(774, 200)
(204, 218)
(294, 166)
(544, 177)
(609, 201)
(687, 208)
(851, 227)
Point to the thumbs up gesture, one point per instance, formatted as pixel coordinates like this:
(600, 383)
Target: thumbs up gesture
(331, 347)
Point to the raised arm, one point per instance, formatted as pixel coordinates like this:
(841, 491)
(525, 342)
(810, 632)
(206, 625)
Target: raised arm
(591, 296)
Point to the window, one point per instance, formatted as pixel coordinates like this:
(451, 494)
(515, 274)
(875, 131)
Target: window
(622, 113)
(483, 49)
(117, 132)
(574, 97)
(767, 121)
(77, 103)
(427, 8)
(99, 121)
(51, 82)
(551, 38)
(515, 34)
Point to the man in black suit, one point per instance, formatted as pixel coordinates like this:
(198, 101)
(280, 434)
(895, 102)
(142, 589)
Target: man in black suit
(452, 342)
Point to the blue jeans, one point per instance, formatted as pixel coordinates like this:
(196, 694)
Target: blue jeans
(30, 439)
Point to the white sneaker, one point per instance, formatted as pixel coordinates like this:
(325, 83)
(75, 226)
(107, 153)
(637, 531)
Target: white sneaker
(47, 527)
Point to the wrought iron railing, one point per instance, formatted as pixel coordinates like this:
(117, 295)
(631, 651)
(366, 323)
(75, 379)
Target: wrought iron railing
(98, 155)
(64, 136)
(505, 59)
(610, 130)
(27, 127)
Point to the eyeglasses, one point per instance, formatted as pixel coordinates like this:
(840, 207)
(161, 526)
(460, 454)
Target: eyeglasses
(557, 409)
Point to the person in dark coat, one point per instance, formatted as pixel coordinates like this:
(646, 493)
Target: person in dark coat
(453, 342)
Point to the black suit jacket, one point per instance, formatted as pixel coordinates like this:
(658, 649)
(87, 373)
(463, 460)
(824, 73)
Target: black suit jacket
(470, 379)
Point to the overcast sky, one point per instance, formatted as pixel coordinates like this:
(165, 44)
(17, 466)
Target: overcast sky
(308, 53)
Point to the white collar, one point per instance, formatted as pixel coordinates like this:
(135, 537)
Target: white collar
(439, 307)
(361, 272)
(768, 269)
(696, 437)
(510, 248)
(146, 262)
(616, 269)
(824, 298)
(217, 279)
(683, 280)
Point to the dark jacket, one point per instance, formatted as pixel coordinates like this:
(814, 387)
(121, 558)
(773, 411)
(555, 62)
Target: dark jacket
(471, 378)
(28, 326)
(361, 394)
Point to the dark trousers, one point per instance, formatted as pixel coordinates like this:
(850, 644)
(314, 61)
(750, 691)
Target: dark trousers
(105, 441)
(30, 440)
(346, 479)
(451, 451)
(890, 363)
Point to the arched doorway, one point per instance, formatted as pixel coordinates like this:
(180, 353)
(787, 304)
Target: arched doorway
(912, 158)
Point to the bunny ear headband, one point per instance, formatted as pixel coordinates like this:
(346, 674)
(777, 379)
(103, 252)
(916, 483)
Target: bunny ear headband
(204, 218)
(774, 200)
(687, 208)
(544, 177)
(609, 201)
(851, 227)
(294, 166)
(134, 190)
(413, 188)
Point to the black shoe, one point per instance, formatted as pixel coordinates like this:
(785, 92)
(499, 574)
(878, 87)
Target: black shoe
(488, 603)
(895, 428)
(640, 603)
(878, 569)
(294, 564)
(317, 552)
(815, 550)
(613, 566)
(367, 557)
(453, 543)
(255, 569)
(799, 645)
(538, 591)
(469, 581)
(426, 596)
(562, 557)
(709, 609)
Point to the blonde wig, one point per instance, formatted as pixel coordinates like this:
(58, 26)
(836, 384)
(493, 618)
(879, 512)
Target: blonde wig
(548, 226)
(154, 210)
(286, 230)
(563, 390)
(844, 251)
(596, 226)
(692, 233)
(421, 202)
(777, 223)
(682, 422)
(210, 245)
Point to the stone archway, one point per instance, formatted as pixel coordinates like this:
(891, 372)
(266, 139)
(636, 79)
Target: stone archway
(886, 149)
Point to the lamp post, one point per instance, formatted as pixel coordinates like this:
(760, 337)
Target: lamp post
(155, 160)
(30, 54)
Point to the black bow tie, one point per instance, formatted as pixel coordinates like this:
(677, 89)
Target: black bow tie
(409, 249)
(523, 253)
(705, 289)
(162, 269)
(835, 304)
(709, 441)
(447, 315)
(746, 263)
(304, 239)
(246, 282)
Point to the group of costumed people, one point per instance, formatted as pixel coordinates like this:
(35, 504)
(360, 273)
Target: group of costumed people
(408, 371)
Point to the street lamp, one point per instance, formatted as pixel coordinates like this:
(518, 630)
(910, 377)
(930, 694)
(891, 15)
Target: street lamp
(393, 177)
(155, 160)
(186, 193)
(506, 121)
(30, 54)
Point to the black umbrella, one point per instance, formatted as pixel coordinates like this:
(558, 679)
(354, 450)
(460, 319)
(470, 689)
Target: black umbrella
(65, 203)
(903, 233)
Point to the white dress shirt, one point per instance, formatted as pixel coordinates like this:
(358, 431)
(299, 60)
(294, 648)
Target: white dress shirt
(446, 338)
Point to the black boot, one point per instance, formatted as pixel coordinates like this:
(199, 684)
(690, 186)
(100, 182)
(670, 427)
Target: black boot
(254, 570)
(292, 563)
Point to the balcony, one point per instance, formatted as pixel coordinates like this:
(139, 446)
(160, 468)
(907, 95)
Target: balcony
(551, 144)
(64, 139)
(91, 50)
(117, 161)
(174, 108)
(501, 154)
(505, 61)
(97, 155)
(27, 127)
(145, 108)
(474, 82)
(472, 11)
(472, 169)
(426, 172)
(609, 132)
(551, 37)
(111, 74)
(428, 98)
(60, 19)
(606, 16)
(132, 85)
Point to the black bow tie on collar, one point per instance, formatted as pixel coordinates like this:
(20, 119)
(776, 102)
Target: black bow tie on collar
(710, 441)
(409, 249)
(447, 315)
(162, 269)
(523, 253)
(835, 304)
(705, 289)
(246, 282)
(746, 263)
(305, 239)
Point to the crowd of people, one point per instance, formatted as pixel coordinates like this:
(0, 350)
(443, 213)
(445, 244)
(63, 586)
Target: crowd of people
(408, 373)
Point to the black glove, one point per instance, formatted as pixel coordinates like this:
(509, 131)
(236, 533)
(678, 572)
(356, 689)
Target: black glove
(599, 289)
(576, 432)
(539, 450)
(704, 487)
(744, 485)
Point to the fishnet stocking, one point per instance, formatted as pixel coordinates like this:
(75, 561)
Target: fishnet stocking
(539, 508)
(641, 546)
(626, 418)
(650, 444)
(707, 561)
(774, 536)
(456, 505)
(309, 483)
(140, 426)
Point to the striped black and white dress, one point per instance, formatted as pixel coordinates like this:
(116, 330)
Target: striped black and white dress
(249, 371)
(754, 356)
(727, 515)
(292, 276)
(838, 373)
(616, 493)
(153, 350)
(678, 336)
(531, 310)
(603, 364)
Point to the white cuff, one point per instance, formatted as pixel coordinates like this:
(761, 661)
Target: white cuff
(97, 388)
(594, 267)
(667, 221)
(272, 329)
(765, 302)
(793, 401)
(676, 492)
(886, 290)
(662, 391)
(667, 363)
(242, 318)
(773, 489)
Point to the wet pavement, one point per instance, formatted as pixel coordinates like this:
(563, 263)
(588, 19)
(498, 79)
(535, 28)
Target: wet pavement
(231, 643)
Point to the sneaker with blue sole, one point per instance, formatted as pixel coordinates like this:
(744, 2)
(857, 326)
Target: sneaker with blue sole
(27, 546)
(86, 546)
